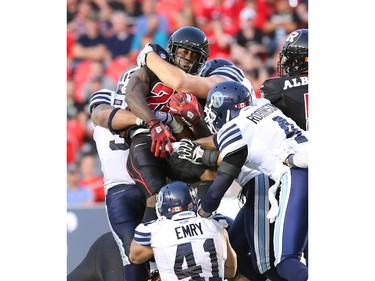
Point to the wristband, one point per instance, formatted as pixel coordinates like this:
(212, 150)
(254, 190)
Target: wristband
(176, 126)
(210, 157)
(110, 118)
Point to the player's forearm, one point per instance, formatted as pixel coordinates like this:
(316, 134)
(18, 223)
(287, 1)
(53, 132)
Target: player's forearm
(206, 142)
(179, 80)
(230, 266)
(215, 193)
(140, 254)
(169, 74)
(122, 119)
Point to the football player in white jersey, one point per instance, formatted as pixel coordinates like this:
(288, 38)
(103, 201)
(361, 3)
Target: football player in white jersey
(125, 202)
(185, 246)
(257, 135)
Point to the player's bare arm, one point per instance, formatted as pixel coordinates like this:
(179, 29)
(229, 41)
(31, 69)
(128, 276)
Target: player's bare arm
(230, 266)
(121, 120)
(179, 80)
(137, 90)
(140, 254)
(206, 142)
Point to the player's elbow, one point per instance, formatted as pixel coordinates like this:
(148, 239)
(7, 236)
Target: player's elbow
(179, 84)
(97, 117)
(229, 273)
(230, 269)
(134, 258)
(230, 266)
(102, 119)
(139, 254)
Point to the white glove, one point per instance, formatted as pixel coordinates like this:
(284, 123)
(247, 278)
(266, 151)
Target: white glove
(300, 159)
(141, 59)
(274, 211)
(190, 151)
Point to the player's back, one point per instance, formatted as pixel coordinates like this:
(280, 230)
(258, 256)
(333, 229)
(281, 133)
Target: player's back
(112, 149)
(268, 134)
(189, 249)
(113, 152)
(290, 94)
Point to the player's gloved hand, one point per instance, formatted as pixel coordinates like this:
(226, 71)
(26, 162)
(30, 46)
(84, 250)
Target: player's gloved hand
(160, 138)
(141, 59)
(187, 107)
(154, 276)
(190, 151)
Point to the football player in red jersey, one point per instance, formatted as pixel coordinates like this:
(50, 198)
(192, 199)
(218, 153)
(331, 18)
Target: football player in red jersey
(188, 48)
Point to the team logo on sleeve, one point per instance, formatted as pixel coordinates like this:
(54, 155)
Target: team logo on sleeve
(118, 102)
(217, 99)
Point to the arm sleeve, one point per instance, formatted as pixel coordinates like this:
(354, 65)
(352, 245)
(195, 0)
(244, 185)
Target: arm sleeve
(228, 170)
(215, 193)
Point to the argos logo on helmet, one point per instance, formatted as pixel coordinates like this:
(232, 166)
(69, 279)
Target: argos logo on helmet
(217, 99)
(293, 36)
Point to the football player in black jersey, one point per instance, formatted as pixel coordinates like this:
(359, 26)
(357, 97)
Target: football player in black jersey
(289, 91)
(188, 48)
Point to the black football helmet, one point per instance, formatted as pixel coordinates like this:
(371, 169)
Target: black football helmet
(224, 102)
(211, 65)
(294, 55)
(190, 38)
(124, 79)
(176, 199)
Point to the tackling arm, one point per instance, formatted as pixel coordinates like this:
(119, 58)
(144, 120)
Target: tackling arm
(121, 120)
(179, 80)
(228, 170)
(207, 142)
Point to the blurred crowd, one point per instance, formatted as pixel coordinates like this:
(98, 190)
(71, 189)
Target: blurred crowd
(104, 38)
